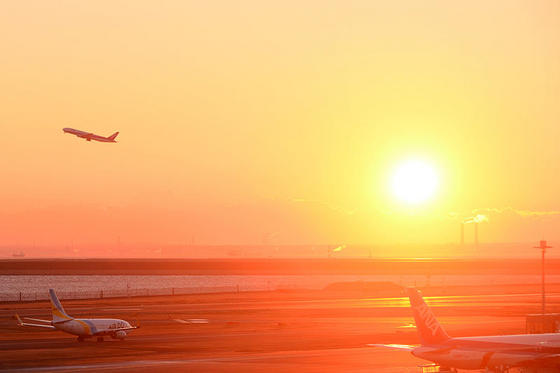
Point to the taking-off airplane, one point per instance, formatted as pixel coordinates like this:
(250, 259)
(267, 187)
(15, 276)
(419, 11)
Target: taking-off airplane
(83, 328)
(528, 353)
(90, 136)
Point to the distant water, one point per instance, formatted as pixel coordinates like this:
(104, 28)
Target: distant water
(89, 283)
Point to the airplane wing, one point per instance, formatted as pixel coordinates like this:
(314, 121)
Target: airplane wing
(39, 320)
(21, 323)
(394, 346)
(37, 325)
(545, 359)
(411, 347)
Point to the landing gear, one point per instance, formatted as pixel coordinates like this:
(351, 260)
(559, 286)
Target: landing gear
(80, 339)
(99, 339)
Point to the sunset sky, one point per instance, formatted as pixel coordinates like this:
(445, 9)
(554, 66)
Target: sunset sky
(250, 122)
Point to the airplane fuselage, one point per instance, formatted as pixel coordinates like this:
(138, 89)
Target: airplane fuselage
(88, 135)
(493, 351)
(93, 327)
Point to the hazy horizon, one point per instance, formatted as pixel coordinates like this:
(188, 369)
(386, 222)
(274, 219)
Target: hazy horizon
(524, 250)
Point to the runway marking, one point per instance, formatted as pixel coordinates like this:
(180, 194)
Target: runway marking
(192, 321)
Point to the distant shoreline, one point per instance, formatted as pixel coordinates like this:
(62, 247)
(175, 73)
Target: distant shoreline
(425, 267)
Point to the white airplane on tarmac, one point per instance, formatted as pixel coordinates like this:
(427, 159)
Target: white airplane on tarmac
(528, 353)
(83, 328)
(90, 136)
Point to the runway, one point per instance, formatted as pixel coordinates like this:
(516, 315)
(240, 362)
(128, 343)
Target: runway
(311, 361)
(254, 332)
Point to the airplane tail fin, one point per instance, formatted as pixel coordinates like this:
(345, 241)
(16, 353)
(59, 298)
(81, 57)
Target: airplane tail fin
(58, 313)
(113, 136)
(429, 329)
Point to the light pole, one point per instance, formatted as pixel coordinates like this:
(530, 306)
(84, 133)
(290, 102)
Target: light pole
(543, 246)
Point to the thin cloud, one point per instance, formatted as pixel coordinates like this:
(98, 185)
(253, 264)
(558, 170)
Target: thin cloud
(536, 213)
(478, 218)
(522, 213)
(480, 215)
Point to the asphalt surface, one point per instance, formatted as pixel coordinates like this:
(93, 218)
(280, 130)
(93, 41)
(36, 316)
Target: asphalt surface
(259, 332)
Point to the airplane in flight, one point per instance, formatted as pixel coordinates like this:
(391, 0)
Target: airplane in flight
(90, 136)
(495, 353)
(83, 328)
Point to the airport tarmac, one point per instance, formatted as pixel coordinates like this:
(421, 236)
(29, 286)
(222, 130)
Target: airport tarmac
(254, 332)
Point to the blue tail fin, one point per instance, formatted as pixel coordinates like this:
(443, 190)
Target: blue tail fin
(58, 312)
(429, 329)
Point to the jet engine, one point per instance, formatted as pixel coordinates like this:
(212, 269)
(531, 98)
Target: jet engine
(121, 334)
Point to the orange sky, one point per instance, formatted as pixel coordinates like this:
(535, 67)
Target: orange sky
(252, 122)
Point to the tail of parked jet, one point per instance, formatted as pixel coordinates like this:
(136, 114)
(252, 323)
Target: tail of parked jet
(113, 136)
(429, 329)
(58, 313)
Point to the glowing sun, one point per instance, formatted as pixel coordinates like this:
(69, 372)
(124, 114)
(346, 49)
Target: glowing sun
(414, 181)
